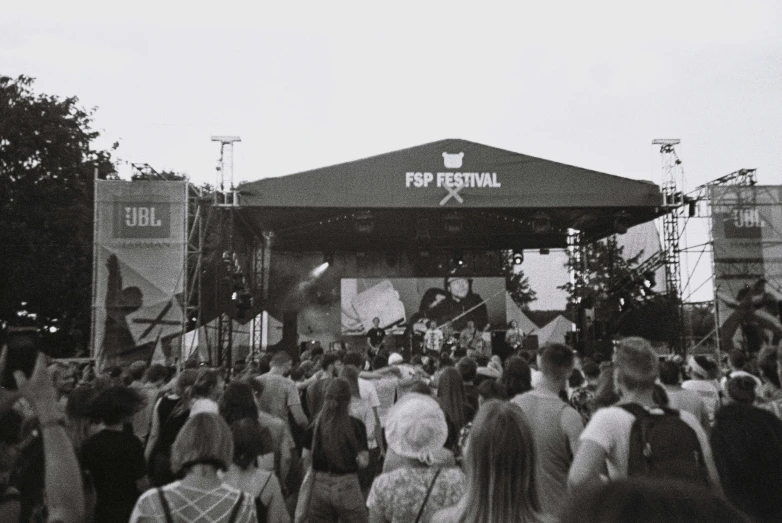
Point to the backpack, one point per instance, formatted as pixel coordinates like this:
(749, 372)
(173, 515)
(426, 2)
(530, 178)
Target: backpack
(662, 445)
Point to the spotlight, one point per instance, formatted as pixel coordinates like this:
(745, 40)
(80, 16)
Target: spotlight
(320, 269)
(458, 259)
(328, 258)
(518, 257)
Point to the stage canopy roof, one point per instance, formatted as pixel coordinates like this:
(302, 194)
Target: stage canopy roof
(445, 194)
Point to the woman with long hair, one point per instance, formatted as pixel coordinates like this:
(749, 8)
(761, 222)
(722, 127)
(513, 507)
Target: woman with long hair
(203, 447)
(238, 403)
(451, 397)
(246, 474)
(168, 417)
(338, 451)
(499, 465)
(450, 393)
(205, 391)
(517, 377)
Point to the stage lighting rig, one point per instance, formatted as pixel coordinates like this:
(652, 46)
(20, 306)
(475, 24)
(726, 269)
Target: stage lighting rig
(453, 223)
(541, 223)
(649, 280)
(364, 222)
(518, 257)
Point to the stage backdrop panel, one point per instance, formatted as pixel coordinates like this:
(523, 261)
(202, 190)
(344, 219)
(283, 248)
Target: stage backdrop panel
(138, 269)
(747, 235)
(397, 301)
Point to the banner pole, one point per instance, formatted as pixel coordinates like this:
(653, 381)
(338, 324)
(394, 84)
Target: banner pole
(93, 331)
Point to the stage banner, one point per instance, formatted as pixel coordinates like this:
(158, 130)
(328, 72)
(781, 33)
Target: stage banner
(138, 270)
(747, 254)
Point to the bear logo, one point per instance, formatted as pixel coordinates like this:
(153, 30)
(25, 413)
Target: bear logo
(453, 160)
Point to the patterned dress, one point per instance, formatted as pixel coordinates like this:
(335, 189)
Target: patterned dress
(398, 495)
(581, 400)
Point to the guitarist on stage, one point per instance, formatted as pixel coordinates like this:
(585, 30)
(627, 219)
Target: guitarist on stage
(375, 337)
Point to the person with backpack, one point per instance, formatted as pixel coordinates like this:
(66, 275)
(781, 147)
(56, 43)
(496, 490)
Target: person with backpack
(638, 438)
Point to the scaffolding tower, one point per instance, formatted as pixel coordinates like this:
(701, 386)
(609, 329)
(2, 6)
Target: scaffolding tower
(226, 204)
(673, 203)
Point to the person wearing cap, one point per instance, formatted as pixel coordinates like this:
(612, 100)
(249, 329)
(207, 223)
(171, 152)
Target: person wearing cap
(459, 300)
(417, 464)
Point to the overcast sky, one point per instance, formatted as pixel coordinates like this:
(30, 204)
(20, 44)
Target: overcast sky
(309, 84)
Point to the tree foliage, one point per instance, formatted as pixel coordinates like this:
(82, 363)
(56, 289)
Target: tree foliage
(612, 285)
(517, 284)
(606, 269)
(47, 172)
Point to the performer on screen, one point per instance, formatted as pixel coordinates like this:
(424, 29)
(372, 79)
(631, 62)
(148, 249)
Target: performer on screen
(459, 299)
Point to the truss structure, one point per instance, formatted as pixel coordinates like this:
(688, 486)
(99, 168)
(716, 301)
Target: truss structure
(673, 201)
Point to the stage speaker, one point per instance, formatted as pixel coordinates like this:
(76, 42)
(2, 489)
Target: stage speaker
(530, 343)
(290, 334)
(498, 345)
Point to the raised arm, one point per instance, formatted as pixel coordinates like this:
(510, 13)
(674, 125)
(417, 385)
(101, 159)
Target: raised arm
(62, 477)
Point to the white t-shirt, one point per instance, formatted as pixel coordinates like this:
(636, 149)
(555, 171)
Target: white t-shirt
(535, 377)
(709, 390)
(610, 429)
(204, 405)
(368, 393)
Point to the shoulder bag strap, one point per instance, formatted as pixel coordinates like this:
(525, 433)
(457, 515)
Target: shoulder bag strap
(426, 498)
(237, 508)
(268, 478)
(164, 504)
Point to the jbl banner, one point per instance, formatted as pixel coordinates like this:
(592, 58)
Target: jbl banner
(139, 269)
(747, 234)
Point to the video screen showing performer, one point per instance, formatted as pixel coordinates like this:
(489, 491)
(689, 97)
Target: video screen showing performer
(407, 306)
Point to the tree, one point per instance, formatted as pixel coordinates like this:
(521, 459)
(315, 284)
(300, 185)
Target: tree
(47, 172)
(608, 272)
(517, 284)
(623, 306)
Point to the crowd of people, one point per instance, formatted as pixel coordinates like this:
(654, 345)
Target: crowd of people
(364, 436)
